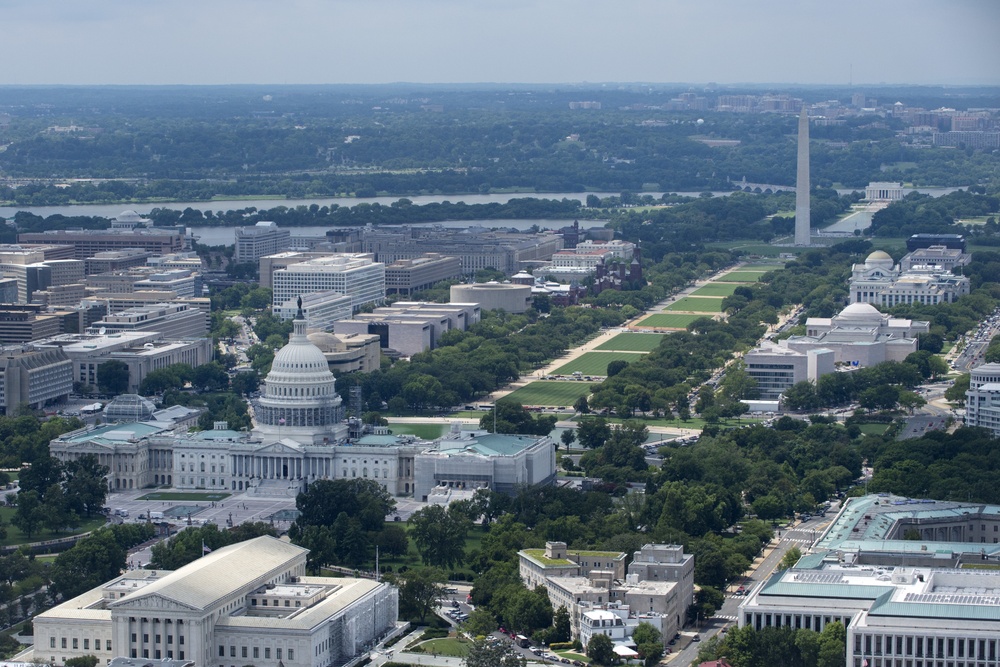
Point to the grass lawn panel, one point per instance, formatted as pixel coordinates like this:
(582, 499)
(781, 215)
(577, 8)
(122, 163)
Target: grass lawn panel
(595, 363)
(447, 646)
(633, 342)
(669, 320)
(550, 393)
(184, 495)
(425, 431)
(741, 277)
(873, 429)
(697, 305)
(16, 537)
(715, 289)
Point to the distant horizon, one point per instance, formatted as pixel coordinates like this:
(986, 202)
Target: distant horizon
(579, 84)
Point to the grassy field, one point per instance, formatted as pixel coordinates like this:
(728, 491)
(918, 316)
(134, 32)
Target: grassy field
(697, 305)
(184, 495)
(15, 536)
(632, 342)
(425, 431)
(873, 429)
(741, 277)
(550, 393)
(715, 289)
(669, 321)
(453, 647)
(595, 363)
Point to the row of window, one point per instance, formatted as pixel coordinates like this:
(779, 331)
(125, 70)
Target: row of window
(76, 643)
(931, 647)
(156, 638)
(255, 650)
(263, 603)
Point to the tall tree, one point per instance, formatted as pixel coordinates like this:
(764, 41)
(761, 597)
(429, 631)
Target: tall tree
(112, 377)
(601, 650)
(439, 534)
(419, 591)
(484, 653)
(90, 563)
(364, 499)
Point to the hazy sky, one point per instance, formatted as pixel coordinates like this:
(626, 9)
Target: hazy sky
(378, 41)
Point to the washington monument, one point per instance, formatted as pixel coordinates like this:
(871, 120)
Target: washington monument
(802, 182)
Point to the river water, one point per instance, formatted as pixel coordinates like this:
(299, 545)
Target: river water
(111, 210)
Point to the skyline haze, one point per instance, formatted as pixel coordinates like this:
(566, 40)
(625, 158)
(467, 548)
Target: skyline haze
(520, 41)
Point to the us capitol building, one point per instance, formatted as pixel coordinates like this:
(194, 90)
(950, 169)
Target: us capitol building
(299, 436)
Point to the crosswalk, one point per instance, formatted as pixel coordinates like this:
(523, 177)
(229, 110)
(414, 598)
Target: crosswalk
(725, 617)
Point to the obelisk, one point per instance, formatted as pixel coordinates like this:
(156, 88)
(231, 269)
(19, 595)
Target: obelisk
(802, 182)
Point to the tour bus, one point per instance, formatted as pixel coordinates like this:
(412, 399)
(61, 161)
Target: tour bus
(522, 641)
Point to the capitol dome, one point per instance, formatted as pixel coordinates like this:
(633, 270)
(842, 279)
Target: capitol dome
(300, 400)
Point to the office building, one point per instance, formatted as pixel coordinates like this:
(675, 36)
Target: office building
(24, 323)
(408, 328)
(476, 247)
(88, 242)
(321, 309)
(936, 257)
(900, 575)
(349, 353)
(406, 276)
(116, 260)
(776, 368)
(282, 260)
(353, 274)
(33, 377)
(881, 283)
(142, 351)
(172, 320)
(982, 400)
(247, 603)
(189, 261)
(657, 587)
(264, 238)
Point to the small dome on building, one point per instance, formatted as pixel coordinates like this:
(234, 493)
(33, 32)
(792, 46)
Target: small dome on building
(864, 311)
(879, 258)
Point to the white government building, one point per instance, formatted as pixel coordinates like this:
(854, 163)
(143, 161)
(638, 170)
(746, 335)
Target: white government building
(860, 335)
(900, 574)
(880, 282)
(299, 436)
(245, 604)
(982, 400)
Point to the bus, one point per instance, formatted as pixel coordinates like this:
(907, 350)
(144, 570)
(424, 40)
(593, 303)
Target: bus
(522, 641)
